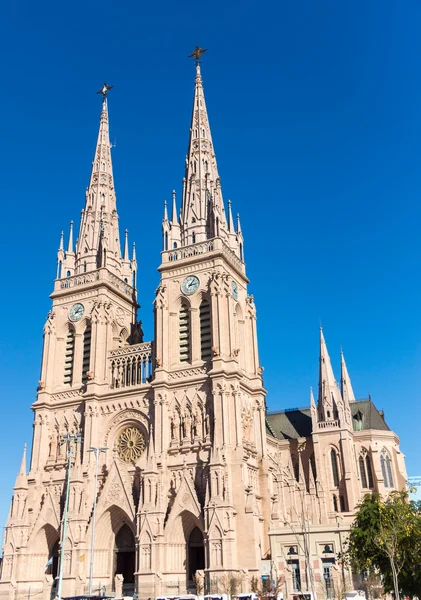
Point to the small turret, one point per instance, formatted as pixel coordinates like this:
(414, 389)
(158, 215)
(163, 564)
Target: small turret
(346, 386)
(69, 259)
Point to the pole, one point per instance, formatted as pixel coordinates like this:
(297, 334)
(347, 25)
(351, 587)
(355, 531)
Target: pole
(97, 452)
(70, 439)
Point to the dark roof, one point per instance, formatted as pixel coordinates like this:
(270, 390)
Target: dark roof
(296, 422)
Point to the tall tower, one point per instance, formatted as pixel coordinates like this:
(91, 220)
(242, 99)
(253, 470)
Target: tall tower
(209, 395)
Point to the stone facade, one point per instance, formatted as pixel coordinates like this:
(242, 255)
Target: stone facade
(197, 478)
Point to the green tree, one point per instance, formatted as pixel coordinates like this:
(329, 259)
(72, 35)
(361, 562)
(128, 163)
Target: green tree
(386, 537)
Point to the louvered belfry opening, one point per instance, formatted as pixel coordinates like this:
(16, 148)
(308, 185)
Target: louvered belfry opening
(86, 358)
(184, 333)
(205, 331)
(69, 354)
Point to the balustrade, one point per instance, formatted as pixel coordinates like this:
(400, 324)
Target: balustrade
(131, 366)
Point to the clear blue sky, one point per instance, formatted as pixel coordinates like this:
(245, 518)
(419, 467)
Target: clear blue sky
(315, 109)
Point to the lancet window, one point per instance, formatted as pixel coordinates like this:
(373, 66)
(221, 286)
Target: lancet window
(366, 472)
(335, 472)
(69, 354)
(205, 330)
(184, 333)
(386, 466)
(86, 357)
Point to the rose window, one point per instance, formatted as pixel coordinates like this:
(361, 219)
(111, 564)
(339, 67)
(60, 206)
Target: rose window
(130, 444)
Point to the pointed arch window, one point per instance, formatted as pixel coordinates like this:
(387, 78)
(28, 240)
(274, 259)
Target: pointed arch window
(241, 253)
(342, 503)
(369, 471)
(86, 357)
(193, 238)
(166, 240)
(389, 471)
(69, 354)
(335, 472)
(184, 333)
(335, 503)
(362, 471)
(205, 330)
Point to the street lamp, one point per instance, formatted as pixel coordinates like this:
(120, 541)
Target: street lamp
(97, 452)
(68, 438)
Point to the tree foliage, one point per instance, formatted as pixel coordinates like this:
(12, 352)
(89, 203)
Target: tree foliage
(386, 538)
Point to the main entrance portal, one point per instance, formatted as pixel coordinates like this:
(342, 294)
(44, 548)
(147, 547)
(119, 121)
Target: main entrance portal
(195, 553)
(125, 557)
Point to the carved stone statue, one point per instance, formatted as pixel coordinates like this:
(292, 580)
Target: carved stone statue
(200, 582)
(187, 425)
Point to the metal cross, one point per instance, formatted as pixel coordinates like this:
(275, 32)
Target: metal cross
(104, 90)
(197, 53)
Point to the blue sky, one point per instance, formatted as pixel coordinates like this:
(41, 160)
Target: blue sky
(315, 110)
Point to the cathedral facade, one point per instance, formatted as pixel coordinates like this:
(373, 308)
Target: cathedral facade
(197, 483)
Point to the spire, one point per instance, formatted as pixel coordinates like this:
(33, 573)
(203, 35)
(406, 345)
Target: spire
(329, 395)
(70, 244)
(98, 243)
(313, 411)
(165, 211)
(21, 479)
(60, 256)
(230, 219)
(61, 246)
(174, 219)
(126, 246)
(202, 208)
(346, 387)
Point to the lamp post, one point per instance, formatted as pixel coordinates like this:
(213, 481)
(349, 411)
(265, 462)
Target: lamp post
(70, 437)
(97, 452)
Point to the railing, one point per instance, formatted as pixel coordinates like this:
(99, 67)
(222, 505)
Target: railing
(328, 424)
(203, 248)
(131, 366)
(102, 274)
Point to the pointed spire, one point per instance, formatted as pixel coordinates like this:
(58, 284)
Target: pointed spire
(134, 251)
(174, 219)
(70, 244)
(126, 246)
(230, 219)
(61, 246)
(202, 207)
(238, 223)
(98, 242)
(329, 395)
(165, 211)
(21, 479)
(346, 386)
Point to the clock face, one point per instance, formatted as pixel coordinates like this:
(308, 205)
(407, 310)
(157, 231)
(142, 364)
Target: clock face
(190, 285)
(76, 312)
(234, 290)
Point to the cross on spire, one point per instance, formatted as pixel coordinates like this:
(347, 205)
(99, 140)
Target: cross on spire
(104, 90)
(197, 53)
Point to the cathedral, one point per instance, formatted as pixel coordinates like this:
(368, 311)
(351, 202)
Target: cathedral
(176, 466)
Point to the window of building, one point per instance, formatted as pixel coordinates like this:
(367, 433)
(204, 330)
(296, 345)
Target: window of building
(362, 472)
(389, 471)
(165, 241)
(369, 471)
(335, 472)
(383, 467)
(296, 575)
(69, 354)
(241, 253)
(342, 503)
(193, 238)
(86, 358)
(335, 503)
(205, 330)
(184, 333)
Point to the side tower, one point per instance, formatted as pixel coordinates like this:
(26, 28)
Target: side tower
(83, 392)
(210, 438)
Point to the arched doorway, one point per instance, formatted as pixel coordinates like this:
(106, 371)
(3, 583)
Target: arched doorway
(125, 557)
(195, 553)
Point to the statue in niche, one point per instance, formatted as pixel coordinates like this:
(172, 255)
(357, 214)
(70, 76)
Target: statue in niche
(198, 423)
(176, 426)
(187, 424)
(207, 427)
